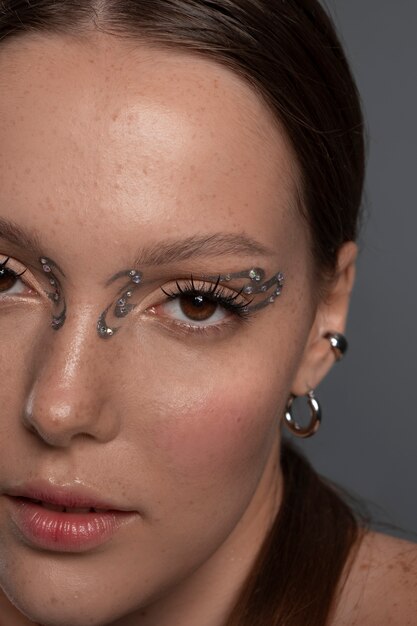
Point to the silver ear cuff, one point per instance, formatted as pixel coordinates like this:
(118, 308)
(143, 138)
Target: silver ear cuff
(338, 343)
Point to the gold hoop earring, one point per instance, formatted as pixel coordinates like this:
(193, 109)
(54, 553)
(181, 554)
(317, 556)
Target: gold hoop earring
(315, 410)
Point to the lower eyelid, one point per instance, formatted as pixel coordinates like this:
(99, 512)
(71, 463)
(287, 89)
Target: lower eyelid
(176, 328)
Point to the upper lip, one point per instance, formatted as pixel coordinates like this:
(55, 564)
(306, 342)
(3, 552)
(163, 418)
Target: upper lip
(66, 496)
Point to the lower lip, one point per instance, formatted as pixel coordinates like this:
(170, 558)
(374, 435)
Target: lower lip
(66, 532)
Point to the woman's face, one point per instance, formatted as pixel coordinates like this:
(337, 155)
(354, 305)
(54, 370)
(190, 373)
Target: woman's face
(117, 157)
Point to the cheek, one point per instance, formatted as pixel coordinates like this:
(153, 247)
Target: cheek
(224, 432)
(208, 417)
(212, 421)
(18, 331)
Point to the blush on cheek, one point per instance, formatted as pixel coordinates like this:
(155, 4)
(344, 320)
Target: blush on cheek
(228, 433)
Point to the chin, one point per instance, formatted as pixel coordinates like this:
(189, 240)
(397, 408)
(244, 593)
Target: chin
(50, 609)
(63, 615)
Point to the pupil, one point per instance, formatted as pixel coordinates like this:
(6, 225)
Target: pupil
(197, 308)
(198, 301)
(7, 279)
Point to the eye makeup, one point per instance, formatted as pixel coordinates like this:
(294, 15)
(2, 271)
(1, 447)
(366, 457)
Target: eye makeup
(257, 286)
(122, 306)
(198, 296)
(201, 302)
(55, 294)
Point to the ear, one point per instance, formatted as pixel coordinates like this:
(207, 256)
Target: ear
(331, 315)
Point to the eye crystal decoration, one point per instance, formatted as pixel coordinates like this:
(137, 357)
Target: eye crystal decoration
(50, 268)
(257, 285)
(122, 307)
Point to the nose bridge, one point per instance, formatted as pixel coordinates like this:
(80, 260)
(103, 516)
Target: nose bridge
(67, 395)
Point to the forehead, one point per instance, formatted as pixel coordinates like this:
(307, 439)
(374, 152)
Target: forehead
(101, 130)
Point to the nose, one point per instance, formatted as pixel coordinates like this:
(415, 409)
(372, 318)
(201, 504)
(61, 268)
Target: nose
(68, 396)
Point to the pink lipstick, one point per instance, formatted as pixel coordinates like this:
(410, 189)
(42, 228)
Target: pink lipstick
(64, 520)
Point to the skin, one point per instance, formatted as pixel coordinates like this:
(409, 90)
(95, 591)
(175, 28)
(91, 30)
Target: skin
(110, 148)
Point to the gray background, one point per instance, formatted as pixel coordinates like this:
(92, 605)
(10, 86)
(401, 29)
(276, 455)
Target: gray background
(368, 439)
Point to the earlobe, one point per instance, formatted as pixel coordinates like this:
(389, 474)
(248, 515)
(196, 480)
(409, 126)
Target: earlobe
(326, 342)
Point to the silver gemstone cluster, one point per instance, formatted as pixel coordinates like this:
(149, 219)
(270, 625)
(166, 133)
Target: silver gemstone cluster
(123, 305)
(257, 285)
(49, 268)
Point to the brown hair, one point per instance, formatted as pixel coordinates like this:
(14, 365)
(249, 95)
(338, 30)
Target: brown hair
(290, 54)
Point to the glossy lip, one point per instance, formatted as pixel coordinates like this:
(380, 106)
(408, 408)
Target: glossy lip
(64, 531)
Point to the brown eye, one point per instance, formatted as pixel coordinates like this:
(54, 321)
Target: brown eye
(8, 279)
(197, 308)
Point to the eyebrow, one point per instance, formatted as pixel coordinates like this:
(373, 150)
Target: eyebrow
(12, 232)
(160, 253)
(30, 241)
(214, 245)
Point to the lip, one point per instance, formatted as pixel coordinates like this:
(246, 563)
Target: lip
(64, 531)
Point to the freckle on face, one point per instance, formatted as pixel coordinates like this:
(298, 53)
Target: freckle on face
(130, 149)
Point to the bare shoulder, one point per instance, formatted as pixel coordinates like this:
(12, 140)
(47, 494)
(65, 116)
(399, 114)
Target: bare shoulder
(381, 587)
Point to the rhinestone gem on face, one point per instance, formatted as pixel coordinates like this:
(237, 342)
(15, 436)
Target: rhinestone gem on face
(49, 267)
(103, 330)
(258, 285)
(121, 307)
(106, 332)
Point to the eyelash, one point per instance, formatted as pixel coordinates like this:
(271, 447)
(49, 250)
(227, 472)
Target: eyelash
(25, 285)
(214, 293)
(11, 273)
